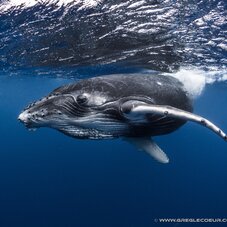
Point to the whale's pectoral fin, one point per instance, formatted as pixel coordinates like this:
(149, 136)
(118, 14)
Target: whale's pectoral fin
(147, 145)
(136, 108)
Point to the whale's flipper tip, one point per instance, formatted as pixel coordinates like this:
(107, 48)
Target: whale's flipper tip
(147, 145)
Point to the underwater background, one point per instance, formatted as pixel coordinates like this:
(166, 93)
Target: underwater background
(48, 179)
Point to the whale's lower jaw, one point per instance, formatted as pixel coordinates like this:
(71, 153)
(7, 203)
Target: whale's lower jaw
(86, 133)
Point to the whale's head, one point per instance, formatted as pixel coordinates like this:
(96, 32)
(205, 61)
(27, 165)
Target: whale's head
(76, 111)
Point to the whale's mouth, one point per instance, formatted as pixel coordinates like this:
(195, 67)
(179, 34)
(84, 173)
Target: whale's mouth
(28, 125)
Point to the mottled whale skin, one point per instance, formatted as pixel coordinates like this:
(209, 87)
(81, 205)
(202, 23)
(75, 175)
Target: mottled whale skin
(133, 106)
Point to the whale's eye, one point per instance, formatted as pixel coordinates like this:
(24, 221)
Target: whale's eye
(81, 99)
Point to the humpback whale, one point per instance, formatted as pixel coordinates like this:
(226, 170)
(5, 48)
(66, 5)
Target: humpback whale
(135, 107)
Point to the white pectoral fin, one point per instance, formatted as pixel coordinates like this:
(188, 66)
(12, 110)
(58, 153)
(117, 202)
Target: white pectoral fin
(172, 112)
(150, 147)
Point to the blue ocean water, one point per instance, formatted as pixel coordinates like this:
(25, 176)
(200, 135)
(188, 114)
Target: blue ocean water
(51, 180)
(48, 179)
